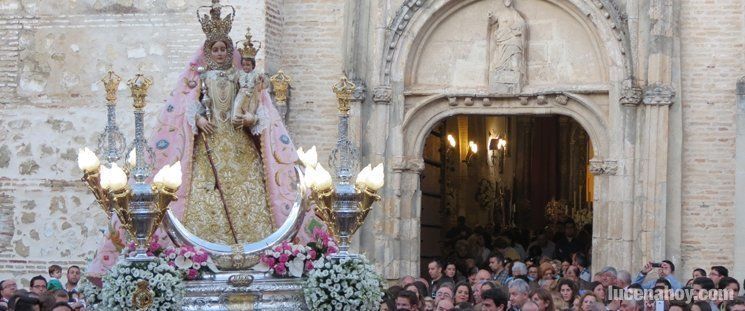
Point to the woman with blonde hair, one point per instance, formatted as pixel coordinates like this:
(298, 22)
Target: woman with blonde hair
(546, 275)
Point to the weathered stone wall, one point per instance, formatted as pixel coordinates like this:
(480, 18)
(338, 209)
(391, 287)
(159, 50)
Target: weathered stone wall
(713, 49)
(54, 54)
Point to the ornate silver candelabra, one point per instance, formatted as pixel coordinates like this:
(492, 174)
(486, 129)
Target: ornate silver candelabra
(343, 206)
(140, 208)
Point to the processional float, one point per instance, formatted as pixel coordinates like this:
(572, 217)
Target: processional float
(142, 207)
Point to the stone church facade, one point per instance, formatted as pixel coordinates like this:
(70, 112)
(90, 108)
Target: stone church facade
(653, 83)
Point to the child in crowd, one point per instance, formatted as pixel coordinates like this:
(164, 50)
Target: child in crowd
(55, 273)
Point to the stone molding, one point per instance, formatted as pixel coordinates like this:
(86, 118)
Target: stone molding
(398, 26)
(659, 94)
(382, 94)
(360, 90)
(631, 95)
(741, 86)
(603, 167)
(408, 164)
(470, 100)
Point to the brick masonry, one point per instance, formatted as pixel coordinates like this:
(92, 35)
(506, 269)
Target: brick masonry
(712, 61)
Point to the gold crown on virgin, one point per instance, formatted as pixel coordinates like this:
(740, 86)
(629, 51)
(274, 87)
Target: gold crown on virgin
(213, 24)
(249, 50)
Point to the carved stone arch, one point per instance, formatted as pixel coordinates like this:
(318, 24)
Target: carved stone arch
(415, 16)
(418, 122)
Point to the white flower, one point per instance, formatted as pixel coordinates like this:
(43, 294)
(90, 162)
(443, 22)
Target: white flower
(183, 262)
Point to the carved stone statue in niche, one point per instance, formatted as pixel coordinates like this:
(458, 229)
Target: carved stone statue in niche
(507, 40)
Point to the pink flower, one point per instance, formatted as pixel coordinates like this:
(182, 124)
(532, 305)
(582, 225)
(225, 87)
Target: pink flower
(154, 246)
(192, 274)
(269, 261)
(280, 269)
(308, 265)
(283, 258)
(312, 254)
(286, 246)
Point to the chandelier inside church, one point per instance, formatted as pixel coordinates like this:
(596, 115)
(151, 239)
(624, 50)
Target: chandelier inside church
(139, 206)
(342, 205)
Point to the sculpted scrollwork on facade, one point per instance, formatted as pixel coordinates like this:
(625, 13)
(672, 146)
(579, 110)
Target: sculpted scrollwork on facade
(659, 94)
(631, 95)
(382, 94)
(360, 90)
(603, 167)
(507, 42)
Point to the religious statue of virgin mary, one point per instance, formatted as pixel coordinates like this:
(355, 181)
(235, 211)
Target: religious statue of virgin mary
(236, 155)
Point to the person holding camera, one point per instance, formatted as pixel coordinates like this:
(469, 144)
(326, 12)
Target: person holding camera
(665, 269)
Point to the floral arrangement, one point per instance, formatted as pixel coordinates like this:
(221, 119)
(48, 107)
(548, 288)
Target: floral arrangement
(121, 282)
(293, 260)
(191, 261)
(343, 284)
(91, 292)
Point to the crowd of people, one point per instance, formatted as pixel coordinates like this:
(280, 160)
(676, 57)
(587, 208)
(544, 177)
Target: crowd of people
(44, 293)
(486, 273)
(496, 273)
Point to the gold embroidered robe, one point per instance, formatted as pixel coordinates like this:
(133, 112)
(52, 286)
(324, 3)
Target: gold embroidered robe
(240, 171)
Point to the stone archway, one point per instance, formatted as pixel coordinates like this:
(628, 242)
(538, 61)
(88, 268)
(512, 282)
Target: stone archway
(630, 142)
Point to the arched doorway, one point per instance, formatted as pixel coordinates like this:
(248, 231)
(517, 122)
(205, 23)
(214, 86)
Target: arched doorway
(436, 64)
(502, 181)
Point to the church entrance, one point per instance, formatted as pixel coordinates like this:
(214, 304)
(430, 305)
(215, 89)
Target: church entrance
(513, 183)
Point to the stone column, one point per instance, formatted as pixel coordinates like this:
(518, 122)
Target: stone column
(651, 172)
(739, 270)
(406, 176)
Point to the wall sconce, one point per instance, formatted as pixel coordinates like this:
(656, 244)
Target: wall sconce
(498, 147)
(473, 149)
(451, 141)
